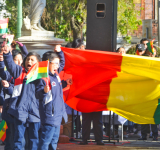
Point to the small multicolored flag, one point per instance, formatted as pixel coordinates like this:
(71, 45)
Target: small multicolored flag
(37, 71)
(9, 38)
(3, 128)
(150, 46)
(4, 25)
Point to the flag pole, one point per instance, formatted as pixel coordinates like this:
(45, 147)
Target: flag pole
(48, 73)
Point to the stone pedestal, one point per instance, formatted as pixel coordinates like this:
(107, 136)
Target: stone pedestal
(40, 44)
(37, 33)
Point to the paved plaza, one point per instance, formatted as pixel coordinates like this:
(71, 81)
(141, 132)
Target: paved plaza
(130, 143)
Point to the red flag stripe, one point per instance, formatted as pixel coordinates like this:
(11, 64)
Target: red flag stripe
(6, 20)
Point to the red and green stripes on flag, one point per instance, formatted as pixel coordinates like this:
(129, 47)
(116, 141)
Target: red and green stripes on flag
(37, 71)
(150, 46)
(129, 85)
(4, 25)
(3, 128)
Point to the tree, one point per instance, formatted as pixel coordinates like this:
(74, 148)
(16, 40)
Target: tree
(127, 20)
(67, 18)
(11, 7)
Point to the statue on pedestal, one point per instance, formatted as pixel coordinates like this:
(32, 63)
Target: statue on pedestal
(36, 10)
(33, 20)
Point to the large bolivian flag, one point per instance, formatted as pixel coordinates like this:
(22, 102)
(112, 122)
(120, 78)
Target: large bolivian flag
(129, 85)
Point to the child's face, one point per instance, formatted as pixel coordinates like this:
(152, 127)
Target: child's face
(30, 61)
(18, 59)
(54, 65)
(122, 51)
(145, 44)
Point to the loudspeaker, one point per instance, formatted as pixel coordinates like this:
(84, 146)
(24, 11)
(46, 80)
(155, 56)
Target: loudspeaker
(101, 25)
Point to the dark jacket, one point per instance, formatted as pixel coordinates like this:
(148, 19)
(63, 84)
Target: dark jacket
(24, 105)
(6, 93)
(51, 104)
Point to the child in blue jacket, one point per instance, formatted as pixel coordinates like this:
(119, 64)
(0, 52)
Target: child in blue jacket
(7, 88)
(51, 103)
(24, 105)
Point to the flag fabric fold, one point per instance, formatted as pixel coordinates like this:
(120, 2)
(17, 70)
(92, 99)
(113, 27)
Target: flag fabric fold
(129, 85)
(37, 71)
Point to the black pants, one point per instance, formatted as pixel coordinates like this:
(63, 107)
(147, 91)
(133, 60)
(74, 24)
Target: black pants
(144, 130)
(97, 125)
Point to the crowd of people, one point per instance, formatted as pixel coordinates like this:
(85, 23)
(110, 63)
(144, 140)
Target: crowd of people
(34, 111)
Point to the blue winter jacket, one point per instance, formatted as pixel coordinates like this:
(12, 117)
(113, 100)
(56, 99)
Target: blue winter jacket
(24, 50)
(52, 111)
(24, 106)
(1, 94)
(7, 92)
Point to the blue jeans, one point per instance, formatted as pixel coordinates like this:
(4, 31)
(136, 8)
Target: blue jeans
(20, 128)
(49, 137)
(9, 141)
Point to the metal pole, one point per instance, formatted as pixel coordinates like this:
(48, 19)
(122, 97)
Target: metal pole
(19, 18)
(72, 133)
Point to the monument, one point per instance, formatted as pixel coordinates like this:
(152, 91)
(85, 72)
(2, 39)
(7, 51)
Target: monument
(33, 35)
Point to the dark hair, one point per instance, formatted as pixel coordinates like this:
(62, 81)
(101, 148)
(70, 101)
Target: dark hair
(32, 54)
(49, 55)
(68, 45)
(77, 43)
(118, 49)
(143, 39)
(13, 44)
(15, 52)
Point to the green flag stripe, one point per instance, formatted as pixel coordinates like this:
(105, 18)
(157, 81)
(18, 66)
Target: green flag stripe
(157, 113)
(2, 124)
(4, 30)
(37, 76)
(149, 47)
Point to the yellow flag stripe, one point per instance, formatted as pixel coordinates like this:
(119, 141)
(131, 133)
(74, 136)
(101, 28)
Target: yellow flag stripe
(38, 70)
(42, 69)
(3, 26)
(135, 92)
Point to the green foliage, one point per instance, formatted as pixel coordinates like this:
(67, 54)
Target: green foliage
(131, 50)
(158, 51)
(11, 7)
(127, 20)
(67, 18)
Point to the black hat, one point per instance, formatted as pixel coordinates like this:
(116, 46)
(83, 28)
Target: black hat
(140, 47)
